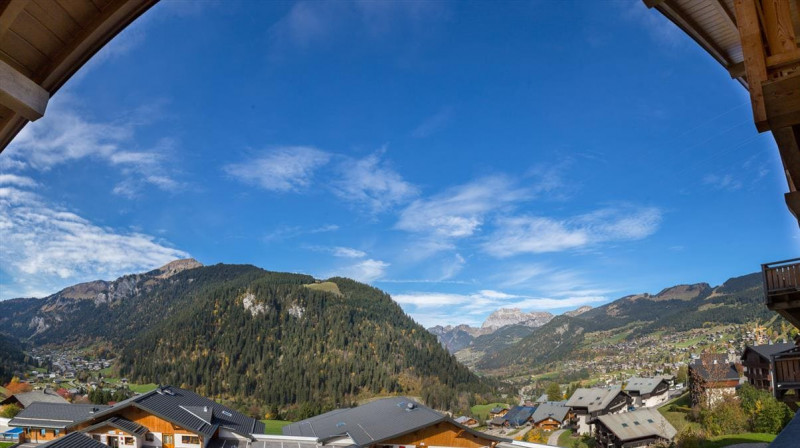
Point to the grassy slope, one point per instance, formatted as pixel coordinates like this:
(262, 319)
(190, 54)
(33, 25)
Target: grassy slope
(274, 426)
(735, 439)
(678, 419)
(481, 411)
(325, 286)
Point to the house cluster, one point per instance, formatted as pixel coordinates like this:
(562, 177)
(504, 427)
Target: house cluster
(617, 417)
(170, 417)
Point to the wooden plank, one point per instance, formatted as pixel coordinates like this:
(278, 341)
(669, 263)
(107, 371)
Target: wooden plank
(754, 58)
(9, 10)
(20, 94)
(82, 11)
(782, 102)
(37, 34)
(726, 14)
(53, 16)
(21, 50)
(94, 36)
(783, 59)
(778, 26)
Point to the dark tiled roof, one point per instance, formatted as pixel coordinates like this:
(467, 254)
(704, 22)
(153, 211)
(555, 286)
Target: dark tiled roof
(371, 423)
(767, 350)
(643, 386)
(638, 424)
(518, 415)
(121, 423)
(594, 399)
(717, 366)
(191, 411)
(789, 436)
(498, 409)
(74, 440)
(55, 415)
(44, 396)
(556, 411)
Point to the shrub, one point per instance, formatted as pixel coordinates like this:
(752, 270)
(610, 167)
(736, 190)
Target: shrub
(9, 410)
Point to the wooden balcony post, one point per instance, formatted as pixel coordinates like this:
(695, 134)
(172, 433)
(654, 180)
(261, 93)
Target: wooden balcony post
(755, 62)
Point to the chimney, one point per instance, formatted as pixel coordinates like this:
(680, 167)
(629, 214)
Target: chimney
(205, 408)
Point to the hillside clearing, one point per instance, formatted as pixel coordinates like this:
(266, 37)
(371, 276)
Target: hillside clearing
(325, 287)
(481, 411)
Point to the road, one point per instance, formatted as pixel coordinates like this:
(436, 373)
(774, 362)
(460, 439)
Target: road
(553, 439)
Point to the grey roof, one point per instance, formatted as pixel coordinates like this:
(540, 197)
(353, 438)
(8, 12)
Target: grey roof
(593, 399)
(372, 422)
(767, 350)
(278, 444)
(43, 396)
(726, 370)
(463, 420)
(519, 415)
(638, 424)
(790, 434)
(74, 440)
(187, 409)
(123, 424)
(542, 398)
(497, 409)
(55, 415)
(643, 385)
(555, 410)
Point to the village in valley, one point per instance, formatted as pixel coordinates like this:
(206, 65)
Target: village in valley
(69, 394)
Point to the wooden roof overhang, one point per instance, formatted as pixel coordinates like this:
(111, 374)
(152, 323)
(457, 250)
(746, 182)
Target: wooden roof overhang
(758, 43)
(43, 43)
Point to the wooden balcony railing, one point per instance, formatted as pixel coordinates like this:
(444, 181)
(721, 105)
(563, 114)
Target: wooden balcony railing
(780, 278)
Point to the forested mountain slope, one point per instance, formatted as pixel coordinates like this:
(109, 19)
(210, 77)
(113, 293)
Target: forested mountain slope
(252, 336)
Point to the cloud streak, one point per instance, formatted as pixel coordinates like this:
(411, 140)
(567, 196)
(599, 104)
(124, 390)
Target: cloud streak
(48, 247)
(281, 169)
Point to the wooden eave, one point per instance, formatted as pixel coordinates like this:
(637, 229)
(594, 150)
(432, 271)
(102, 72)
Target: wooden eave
(44, 42)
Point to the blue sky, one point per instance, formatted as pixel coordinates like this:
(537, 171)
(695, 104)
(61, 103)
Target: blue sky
(462, 156)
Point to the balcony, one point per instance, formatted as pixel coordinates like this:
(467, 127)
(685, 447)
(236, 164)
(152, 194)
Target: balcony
(782, 288)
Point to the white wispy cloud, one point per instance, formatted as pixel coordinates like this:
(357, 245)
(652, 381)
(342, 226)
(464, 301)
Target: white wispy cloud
(66, 136)
(434, 308)
(460, 211)
(15, 180)
(722, 182)
(531, 234)
(340, 251)
(46, 247)
(309, 23)
(289, 232)
(364, 271)
(433, 123)
(452, 267)
(372, 183)
(283, 169)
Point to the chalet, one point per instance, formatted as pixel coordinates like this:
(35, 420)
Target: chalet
(389, 423)
(643, 427)
(469, 422)
(167, 417)
(648, 392)
(25, 399)
(518, 416)
(711, 377)
(757, 362)
(588, 404)
(499, 411)
(551, 416)
(74, 440)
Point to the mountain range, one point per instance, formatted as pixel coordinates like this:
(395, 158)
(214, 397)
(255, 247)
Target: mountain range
(521, 345)
(250, 337)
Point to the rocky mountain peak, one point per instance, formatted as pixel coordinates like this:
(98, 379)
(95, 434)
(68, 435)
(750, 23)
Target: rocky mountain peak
(176, 266)
(515, 316)
(578, 311)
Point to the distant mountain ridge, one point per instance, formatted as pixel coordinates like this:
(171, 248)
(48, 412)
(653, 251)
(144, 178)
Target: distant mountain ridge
(679, 308)
(250, 336)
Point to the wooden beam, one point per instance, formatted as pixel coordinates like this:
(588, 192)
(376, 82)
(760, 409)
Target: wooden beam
(696, 32)
(778, 26)
(722, 8)
(737, 70)
(653, 3)
(9, 10)
(754, 58)
(789, 149)
(115, 16)
(20, 94)
(782, 101)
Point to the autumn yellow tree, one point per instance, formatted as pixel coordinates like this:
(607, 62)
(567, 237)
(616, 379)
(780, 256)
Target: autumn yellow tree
(15, 386)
